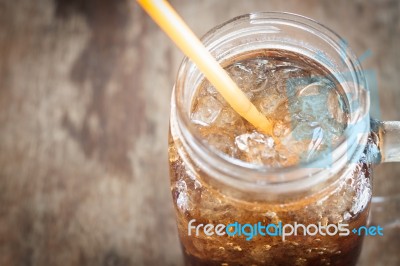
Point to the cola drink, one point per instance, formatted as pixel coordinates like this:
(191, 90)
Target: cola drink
(310, 114)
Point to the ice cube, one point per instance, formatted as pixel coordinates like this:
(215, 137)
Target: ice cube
(290, 77)
(295, 145)
(261, 65)
(250, 75)
(206, 111)
(303, 131)
(281, 129)
(256, 147)
(242, 75)
(227, 117)
(336, 107)
(261, 69)
(229, 120)
(221, 141)
(242, 142)
(270, 82)
(209, 90)
(314, 106)
(269, 104)
(310, 89)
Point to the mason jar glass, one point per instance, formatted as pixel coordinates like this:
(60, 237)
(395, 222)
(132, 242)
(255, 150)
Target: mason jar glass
(331, 192)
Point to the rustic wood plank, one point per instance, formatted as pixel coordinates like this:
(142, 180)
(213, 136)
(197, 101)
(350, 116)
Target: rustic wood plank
(84, 98)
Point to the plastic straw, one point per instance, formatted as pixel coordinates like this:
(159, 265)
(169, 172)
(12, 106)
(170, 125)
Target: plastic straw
(173, 25)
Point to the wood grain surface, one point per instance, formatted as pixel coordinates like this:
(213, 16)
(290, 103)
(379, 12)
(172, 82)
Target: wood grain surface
(84, 102)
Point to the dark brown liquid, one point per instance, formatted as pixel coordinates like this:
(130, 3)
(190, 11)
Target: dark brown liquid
(348, 259)
(194, 198)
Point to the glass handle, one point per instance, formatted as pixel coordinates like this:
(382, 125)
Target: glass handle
(385, 210)
(389, 140)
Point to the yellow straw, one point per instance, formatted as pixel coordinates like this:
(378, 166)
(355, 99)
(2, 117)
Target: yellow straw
(173, 25)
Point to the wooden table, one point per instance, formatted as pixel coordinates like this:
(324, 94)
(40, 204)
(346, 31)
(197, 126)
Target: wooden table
(84, 102)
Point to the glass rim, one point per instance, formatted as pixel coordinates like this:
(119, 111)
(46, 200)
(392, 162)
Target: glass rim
(325, 34)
